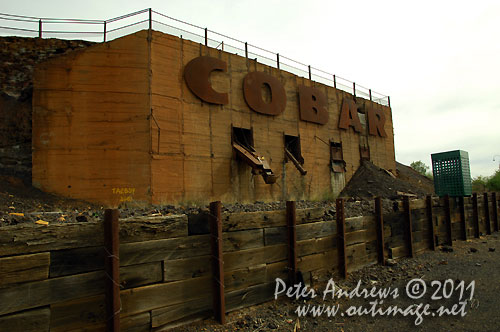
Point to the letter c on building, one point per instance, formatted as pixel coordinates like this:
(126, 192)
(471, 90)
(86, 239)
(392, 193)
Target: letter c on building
(197, 74)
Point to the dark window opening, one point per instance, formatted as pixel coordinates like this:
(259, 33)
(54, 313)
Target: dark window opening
(292, 145)
(243, 137)
(292, 153)
(337, 162)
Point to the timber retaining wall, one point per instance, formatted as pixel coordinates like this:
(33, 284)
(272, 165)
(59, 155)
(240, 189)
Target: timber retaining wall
(53, 277)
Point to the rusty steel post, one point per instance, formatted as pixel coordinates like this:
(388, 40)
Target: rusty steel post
(379, 220)
(430, 221)
(150, 19)
(475, 215)
(408, 228)
(291, 222)
(341, 245)
(463, 221)
(219, 303)
(334, 81)
(447, 214)
(104, 32)
(40, 28)
(112, 268)
(495, 211)
(487, 218)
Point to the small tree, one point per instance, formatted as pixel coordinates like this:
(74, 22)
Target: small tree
(493, 182)
(422, 168)
(479, 183)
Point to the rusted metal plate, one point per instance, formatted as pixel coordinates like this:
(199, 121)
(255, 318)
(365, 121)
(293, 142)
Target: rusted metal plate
(258, 163)
(312, 105)
(349, 116)
(364, 152)
(197, 76)
(297, 164)
(338, 166)
(252, 91)
(376, 122)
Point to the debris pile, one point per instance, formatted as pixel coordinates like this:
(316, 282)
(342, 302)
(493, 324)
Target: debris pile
(370, 181)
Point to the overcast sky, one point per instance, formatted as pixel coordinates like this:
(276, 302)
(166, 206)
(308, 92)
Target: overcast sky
(438, 60)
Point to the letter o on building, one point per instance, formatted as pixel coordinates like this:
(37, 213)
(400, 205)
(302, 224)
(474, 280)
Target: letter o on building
(252, 91)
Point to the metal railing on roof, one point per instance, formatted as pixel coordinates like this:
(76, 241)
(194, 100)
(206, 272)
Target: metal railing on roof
(105, 30)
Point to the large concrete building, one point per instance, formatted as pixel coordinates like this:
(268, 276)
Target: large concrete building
(152, 118)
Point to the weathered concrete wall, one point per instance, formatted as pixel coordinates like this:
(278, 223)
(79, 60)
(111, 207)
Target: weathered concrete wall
(117, 122)
(193, 159)
(90, 122)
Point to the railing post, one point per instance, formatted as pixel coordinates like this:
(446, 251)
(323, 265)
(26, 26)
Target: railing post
(447, 213)
(206, 37)
(219, 303)
(389, 101)
(246, 50)
(334, 81)
(104, 32)
(309, 68)
(292, 242)
(341, 245)
(463, 221)
(112, 268)
(475, 215)
(379, 220)
(370, 93)
(430, 221)
(278, 60)
(495, 211)
(408, 228)
(487, 217)
(354, 89)
(40, 28)
(150, 19)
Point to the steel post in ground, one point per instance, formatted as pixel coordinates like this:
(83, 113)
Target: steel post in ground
(379, 220)
(219, 304)
(475, 215)
(292, 241)
(112, 268)
(341, 245)
(430, 222)
(408, 226)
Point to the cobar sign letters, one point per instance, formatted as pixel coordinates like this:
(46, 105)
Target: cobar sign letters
(313, 105)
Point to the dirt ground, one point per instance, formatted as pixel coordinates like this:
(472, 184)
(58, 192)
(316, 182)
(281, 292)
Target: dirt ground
(476, 260)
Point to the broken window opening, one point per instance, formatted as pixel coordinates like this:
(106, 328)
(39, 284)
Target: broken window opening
(292, 152)
(337, 162)
(243, 146)
(243, 137)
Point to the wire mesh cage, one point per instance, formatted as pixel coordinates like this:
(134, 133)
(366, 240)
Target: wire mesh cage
(451, 173)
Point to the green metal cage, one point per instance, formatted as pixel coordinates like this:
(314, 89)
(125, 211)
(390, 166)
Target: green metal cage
(451, 173)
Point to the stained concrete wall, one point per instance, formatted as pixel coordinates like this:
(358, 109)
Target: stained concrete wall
(193, 159)
(117, 123)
